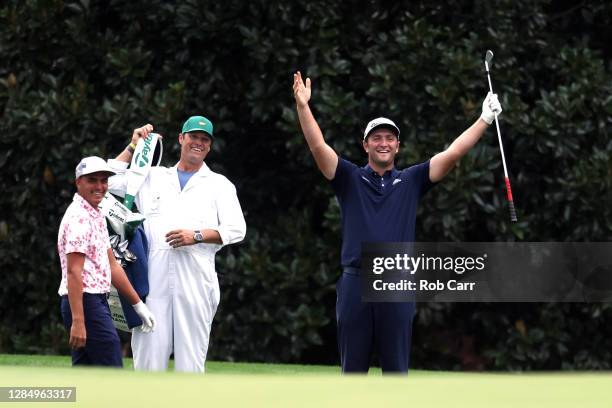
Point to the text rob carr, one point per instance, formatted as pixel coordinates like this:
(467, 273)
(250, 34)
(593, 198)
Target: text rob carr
(423, 285)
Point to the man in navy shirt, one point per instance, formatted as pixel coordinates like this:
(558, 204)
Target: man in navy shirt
(378, 204)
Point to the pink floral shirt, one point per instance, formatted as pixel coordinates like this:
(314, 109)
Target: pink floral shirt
(83, 229)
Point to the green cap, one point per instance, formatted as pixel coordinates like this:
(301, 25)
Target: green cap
(198, 123)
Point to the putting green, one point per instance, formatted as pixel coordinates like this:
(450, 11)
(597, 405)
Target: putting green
(109, 387)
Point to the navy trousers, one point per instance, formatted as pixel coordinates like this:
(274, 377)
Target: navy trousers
(363, 327)
(102, 347)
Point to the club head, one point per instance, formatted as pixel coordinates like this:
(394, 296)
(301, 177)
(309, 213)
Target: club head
(488, 57)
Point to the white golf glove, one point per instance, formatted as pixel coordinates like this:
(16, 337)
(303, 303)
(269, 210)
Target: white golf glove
(148, 320)
(490, 108)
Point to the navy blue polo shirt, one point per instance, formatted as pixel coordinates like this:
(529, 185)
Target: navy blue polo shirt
(375, 208)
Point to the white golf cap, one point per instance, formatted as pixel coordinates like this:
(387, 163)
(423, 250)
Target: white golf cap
(380, 122)
(92, 164)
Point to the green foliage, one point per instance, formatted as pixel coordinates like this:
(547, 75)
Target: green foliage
(529, 336)
(78, 76)
(276, 288)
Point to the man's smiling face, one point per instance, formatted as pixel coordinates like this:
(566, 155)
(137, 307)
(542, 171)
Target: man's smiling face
(93, 187)
(194, 146)
(381, 145)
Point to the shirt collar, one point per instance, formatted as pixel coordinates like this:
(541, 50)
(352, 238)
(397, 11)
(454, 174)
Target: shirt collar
(204, 170)
(393, 173)
(94, 212)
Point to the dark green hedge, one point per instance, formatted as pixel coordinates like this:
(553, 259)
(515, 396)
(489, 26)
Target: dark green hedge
(77, 76)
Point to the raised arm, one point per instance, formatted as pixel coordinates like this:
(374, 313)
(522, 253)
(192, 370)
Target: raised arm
(117, 184)
(442, 163)
(324, 155)
(138, 133)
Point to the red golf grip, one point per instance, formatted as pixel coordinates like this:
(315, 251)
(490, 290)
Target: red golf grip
(508, 189)
(513, 217)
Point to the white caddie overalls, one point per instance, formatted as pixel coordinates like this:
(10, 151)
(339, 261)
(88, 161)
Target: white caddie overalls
(183, 285)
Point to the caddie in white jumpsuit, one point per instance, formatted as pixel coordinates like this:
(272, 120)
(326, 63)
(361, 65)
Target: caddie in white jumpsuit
(191, 212)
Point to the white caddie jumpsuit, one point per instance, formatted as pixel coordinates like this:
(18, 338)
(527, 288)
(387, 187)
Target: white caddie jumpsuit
(183, 285)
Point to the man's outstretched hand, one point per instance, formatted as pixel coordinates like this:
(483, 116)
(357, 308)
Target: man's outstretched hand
(301, 91)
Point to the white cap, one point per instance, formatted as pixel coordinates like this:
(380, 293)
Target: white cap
(92, 164)
(380, 122)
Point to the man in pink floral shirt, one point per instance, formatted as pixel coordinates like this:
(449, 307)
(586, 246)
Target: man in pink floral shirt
(88, 269)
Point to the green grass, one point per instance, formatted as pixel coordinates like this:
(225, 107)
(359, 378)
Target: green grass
(212, 367)
(255, 385)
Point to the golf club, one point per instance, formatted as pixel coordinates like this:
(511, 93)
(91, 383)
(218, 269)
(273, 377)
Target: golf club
(488, 58)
